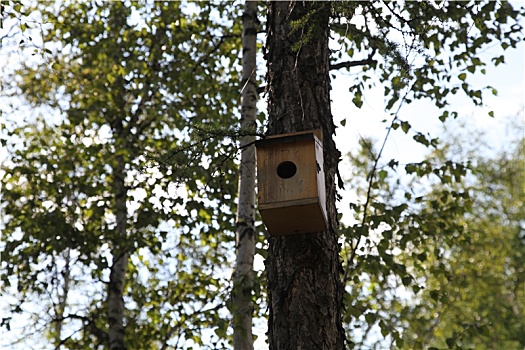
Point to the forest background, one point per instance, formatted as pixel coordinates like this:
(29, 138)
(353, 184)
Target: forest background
(457, 281)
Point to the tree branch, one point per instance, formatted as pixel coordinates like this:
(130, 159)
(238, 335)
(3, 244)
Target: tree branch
(371, 177)
(214, 48)
(88, 324)
(349, 64)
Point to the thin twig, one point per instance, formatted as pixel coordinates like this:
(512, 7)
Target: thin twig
(353, 252)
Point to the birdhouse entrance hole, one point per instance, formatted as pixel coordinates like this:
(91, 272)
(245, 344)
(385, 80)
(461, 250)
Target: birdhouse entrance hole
(291, 183)
(286, 170)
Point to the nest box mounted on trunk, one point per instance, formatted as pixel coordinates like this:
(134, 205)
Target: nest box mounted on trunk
(291, 185)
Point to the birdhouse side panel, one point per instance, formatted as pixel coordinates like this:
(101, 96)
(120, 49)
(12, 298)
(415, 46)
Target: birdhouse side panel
(320, 175)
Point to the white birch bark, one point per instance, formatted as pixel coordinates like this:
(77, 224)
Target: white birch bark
(245, 231)
(62, 298)
(117, 278)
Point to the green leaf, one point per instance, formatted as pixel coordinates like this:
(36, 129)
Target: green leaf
(498, 60)
(450, 342)
(405, 126)
(420, 138)
(370, 318)
(111, 78)
(407, 281)
(393, 164)
(391, 102)
(434, 294)
(358, 102)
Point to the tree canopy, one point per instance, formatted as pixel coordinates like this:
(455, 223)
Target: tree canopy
(136, 85)
(447, 272)
(126, 145)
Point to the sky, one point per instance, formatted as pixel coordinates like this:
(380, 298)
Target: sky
(508, 79)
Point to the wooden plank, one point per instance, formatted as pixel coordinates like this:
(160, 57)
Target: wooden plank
(291, 184)
(294, 203)
(295, 219)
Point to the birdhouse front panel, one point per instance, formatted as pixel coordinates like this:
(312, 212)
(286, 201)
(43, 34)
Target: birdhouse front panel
(291, 183)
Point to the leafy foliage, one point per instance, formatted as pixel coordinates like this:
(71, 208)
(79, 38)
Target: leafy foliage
(416, 51)
(154, 84)
(130, 82)
(475, 294)
(426, 50)
(438, 264)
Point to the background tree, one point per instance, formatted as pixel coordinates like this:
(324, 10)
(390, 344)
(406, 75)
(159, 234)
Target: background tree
(458, 285)
(116, 188)
(246, 236)
(473, 296)
(402, 47)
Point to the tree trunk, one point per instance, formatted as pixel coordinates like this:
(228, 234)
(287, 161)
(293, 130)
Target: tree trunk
(117, 277)
(245, 232)
(304, 285)
(62, 295)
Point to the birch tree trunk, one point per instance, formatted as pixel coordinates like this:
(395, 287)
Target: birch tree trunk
(117, 277)
(304, 285)
(62, 297)
(245, 231)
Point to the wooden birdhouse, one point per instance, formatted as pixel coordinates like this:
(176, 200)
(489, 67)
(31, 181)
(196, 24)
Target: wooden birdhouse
(291, 184)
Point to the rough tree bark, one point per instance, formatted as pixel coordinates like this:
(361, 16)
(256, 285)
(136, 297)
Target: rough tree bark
(117, 277)
(245, 231)
(304, 285)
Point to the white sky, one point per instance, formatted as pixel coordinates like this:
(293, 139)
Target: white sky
(508, 79)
